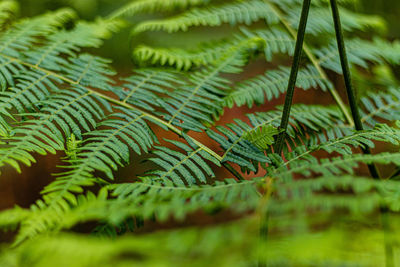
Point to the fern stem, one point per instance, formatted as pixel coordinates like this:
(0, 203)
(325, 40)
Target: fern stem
(347, 80)
(314, 61)
(384, 214)
(293, 76)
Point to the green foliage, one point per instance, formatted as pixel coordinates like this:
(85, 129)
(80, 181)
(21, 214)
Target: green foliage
(56, 97)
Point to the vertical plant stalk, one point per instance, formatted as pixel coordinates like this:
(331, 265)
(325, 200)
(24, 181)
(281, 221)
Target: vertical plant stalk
(307, 51)
(358, 124)
(347, 80)
(280, 141)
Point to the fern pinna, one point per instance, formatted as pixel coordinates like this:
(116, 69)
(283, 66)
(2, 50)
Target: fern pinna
(58, 97)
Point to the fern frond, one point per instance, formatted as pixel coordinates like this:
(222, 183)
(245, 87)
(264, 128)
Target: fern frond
(60, 116)
(237, 147)
(11, 218)
(198, 102)
(262, 137)
(182, 168)
(31, 87)
(380, 106)
(103, 150)
(147, 85)
(89, 71)
(20, 38)
(390, 51)
(181, 59)
(321, 123)
(234, 13)
(362, 139)
(69, 42)
(158, 195)
(308, 165)
(154, 249)
(151, 6)
(25, 32)
(302, 155)
(360, 53)
(277, 40)
(358, 194)
(320, 21)
(145, 199)
(272, 84)
(307, 124)
(42, 219)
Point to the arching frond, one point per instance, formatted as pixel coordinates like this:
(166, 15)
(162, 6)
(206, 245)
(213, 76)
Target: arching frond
(234, 13)
(206, 197)
(21, 36)
(308, 124)
(198, 102)
(31, 87)
(146, 86)
(60, 116)
(360, 53)
(310, 165)
(69, 42)
(357, 195)
(380, 106)
(272, 84)
(181, 59)
(188, 167)
(151, 6)
(277, 40)
(103, 150)
(237, 146)
(320, 21)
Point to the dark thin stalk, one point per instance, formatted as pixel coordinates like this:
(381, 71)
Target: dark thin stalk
(293, 76)
(280, 140)
(347, 80)
(359, 127)
(233, 171)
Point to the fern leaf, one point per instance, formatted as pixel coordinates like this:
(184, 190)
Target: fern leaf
(320, 21)
(238, 149)
(103, 150)
(147, 85)
(31, 87)
(187, 199)
(182, 168)
(190, 107)
(181, 59)
(232, 13)
(272, 84)
(378, 106)
(262, 137)
(60, 116)
(151, 6)
(360, 52)
(69, 42)
(307, 125)
(358, 194)
(89, 71)
(277, 40)
(309, 165)
(21, 36)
